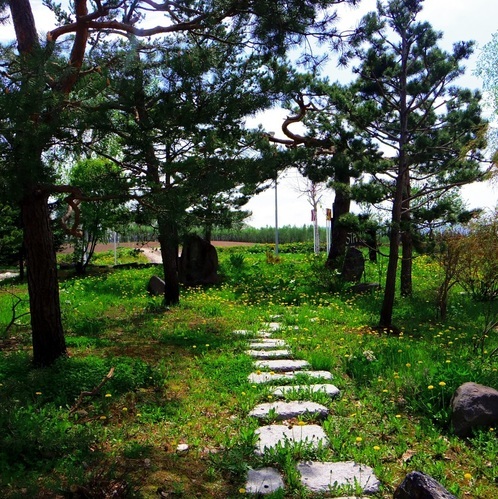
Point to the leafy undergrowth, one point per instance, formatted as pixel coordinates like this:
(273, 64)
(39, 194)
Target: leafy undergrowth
(180, 376)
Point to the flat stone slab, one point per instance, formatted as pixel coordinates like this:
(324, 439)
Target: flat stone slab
(272, 326)
(267, 343)
(252, 334)
(328, 389)
(324, 477)
(268, 354)
(288, 410)
(281, 365)
(264, 334)
(243, 332)
(267, 377)
(272, 436)
(263, 481)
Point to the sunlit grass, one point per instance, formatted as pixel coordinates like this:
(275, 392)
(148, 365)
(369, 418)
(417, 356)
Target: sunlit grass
(181, 377)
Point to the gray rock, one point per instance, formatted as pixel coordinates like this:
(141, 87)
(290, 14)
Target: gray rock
(263, 481)
(268, 343)
(473, 406)
(268, 354)
(417, 485)
(327, 389)
(267, 377)
(288, 410)
(156, 286)
(322, 477)
(272, 436)
(281, 365)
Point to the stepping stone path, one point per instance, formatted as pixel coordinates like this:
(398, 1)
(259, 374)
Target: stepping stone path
(273, 363)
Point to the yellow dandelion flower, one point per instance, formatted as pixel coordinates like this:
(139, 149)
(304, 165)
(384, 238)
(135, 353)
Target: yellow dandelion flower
(242, 491)
(442, 383)
(359, 439)
(467, 476)
(108, 395)
(38, 393)
(430, 387)
(376, 447)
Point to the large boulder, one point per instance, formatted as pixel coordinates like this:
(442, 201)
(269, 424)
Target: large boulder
(417, 485)
(198, 262)
(473, 406)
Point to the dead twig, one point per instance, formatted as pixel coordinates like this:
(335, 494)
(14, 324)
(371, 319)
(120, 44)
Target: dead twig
(93, 392)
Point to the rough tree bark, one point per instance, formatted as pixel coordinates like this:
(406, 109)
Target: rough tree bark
(46, 323)
(341, 206)
(406, 286)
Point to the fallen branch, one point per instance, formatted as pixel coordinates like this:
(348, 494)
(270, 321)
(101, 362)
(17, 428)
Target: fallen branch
(14, 315)
(92, 393)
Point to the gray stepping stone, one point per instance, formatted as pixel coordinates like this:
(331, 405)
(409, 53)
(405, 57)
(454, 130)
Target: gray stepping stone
(272, 326)
(243, 332)
(272, 436)
(264, 334)
(327, 389)
(267, 343)
(268, 354)
(263, 481)
(266, 377)
(252, 334)
(281, 365)
(322, 477)
(289, 410)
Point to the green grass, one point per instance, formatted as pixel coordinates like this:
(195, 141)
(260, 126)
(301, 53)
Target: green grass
(180, 376)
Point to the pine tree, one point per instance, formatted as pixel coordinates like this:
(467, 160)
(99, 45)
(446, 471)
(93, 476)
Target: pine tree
(432, 131)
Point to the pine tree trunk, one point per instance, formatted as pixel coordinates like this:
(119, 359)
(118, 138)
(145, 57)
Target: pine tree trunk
(169, 252)
(406, 287)
(340, 207)
(46, 323)
(386, 312)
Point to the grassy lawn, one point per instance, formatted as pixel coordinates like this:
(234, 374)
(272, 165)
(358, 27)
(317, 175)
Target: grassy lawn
(180, 376)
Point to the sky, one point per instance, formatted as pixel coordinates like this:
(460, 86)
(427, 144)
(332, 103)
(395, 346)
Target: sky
(459, 20)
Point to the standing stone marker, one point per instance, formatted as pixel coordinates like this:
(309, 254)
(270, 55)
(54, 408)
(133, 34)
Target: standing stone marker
(156, 286)
(354, 265)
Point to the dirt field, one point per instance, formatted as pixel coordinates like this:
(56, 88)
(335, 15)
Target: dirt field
(153, 244)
